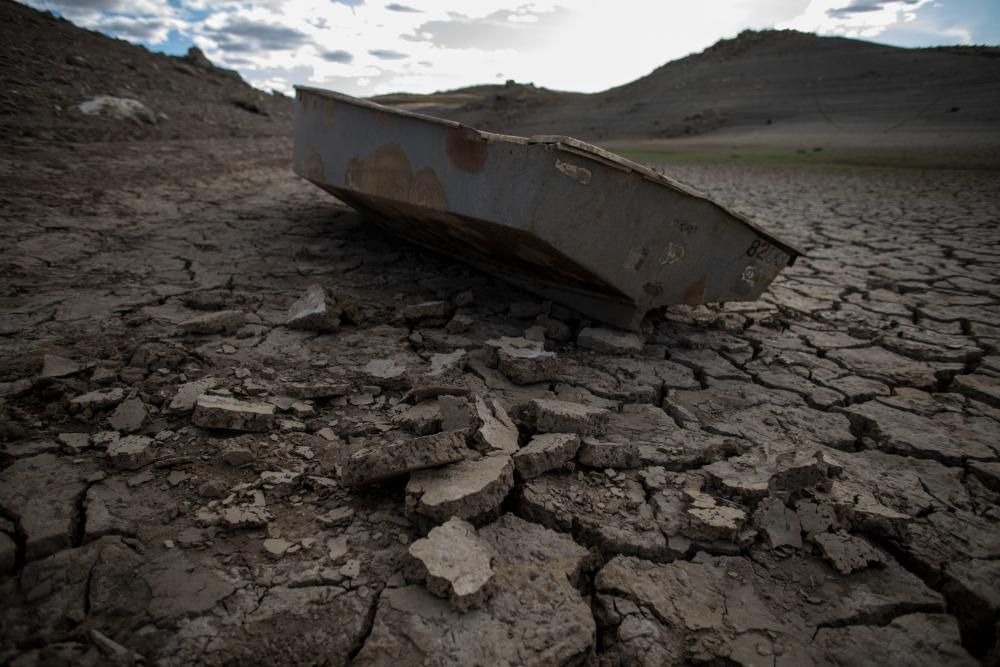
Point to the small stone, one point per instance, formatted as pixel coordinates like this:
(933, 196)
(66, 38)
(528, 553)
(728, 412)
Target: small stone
(245, 517)
(595, 453)
(336, 517)
(779, 525)
(140, 479)
(815, 518)
(609, 341)
(177, 477)
(466, 298)
(524, 361)
(129, 416)
(314, 311)
(847, 553)
(455, 564)
(554, 329)
(546, 452)
(103, 375)
(188, 393)
(445, 367)
(228, 413)
(328, 434)
(535, 333)
(422, 419)
(119, 108)
(551, 416)
(459, 324)
(275, 547)
(336, 548)
(102, 439)
(468, 490)
(213, 488)
(238, 457)
(280, 483)
(219, 322)
(386, 373)
(131, 452)
(793, 471)
(351, 569)
(99, 399)
(361, 399)
(54, 366)
(710, 520)
(302, 410)
(292, 425)
(381, 461)
(74, 443)
(496, 431)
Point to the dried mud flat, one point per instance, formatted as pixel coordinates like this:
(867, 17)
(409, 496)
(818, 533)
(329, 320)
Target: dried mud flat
(208, 460)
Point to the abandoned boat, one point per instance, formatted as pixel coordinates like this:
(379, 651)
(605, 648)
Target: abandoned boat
(556, 216)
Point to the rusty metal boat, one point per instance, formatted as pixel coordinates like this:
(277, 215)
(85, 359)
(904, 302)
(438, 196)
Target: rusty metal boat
(556, 216)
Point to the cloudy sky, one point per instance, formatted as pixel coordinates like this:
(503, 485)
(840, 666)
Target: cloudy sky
(368, 47)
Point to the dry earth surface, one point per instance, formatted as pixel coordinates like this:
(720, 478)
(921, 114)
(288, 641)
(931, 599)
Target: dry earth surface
(241, 426)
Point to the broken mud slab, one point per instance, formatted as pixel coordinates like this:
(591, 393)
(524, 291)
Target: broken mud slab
(41, 495)
(384, 460)
(552, 416)
(454, 564)
(612, 515)
(472, 489)
(739, 610)
(535, 617)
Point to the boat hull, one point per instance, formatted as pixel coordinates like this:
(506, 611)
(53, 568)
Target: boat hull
(553, 215)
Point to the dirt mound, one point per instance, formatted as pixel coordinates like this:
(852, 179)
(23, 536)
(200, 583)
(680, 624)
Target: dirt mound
(49, 67)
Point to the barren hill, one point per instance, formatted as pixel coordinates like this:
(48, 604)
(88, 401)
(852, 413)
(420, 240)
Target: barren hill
(772, 83)
(773, 80)
(48, 67)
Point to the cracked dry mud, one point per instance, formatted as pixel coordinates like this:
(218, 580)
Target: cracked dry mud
(809, 479)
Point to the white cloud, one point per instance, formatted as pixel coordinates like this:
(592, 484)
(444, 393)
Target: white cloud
(86, 12)
(425, 45)
(854, 18)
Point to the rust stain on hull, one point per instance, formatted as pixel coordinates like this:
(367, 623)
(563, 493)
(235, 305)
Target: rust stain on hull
(695, 292)
(466, 149)
(387, 172)
(329, 111)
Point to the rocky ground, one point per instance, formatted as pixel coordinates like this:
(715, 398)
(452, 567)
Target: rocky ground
(239, 425)
(242, 426)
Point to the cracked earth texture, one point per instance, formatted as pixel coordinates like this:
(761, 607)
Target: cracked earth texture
(812, 478)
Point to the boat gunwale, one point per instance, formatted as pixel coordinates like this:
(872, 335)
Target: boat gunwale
(565, 144)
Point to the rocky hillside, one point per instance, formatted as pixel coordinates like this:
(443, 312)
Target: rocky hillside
(771, 78)
(49, 67)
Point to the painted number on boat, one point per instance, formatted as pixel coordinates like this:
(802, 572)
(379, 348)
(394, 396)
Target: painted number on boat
(767, 253)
